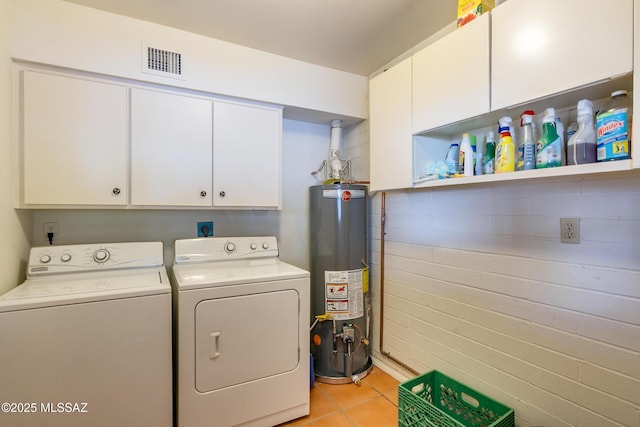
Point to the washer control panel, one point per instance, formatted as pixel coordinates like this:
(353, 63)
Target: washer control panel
(94, 257)
(224, 248)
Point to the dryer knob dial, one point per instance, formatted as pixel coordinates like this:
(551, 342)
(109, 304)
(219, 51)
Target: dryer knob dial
(229, 247)
(101, 255)
(45, 259)
(65, 257)
(265, 245)
(253, 246)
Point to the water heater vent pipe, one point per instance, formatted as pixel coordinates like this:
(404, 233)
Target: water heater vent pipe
(334, 149)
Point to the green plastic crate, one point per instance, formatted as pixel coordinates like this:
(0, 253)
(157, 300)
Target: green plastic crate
(435, 400)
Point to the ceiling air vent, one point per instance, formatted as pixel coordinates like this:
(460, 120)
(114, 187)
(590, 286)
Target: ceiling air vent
(162, 62)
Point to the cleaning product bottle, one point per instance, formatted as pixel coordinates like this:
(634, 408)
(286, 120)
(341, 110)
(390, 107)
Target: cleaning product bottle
(581, 147)
(520, 141)
(563, 141)
(477, 164)
(549, 147)
(488, 160)
(613, 126)
(571, 129)
(466, 156)
(505, 150)
(453, 158)
(472, 141)
(528, 143)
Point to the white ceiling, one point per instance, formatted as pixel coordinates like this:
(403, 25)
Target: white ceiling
(358, 36)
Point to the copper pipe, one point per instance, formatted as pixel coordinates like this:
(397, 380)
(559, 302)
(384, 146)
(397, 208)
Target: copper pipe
(382, 239)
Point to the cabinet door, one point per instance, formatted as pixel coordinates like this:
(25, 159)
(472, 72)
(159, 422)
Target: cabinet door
(74, 141)
(390, 128)
(451, 77)
(247, 144)
(554, 46)
(170, 149)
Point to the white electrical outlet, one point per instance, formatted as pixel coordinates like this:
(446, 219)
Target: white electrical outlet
(570, 230)
(50, 227)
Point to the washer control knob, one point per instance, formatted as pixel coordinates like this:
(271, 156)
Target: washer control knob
(45, 259)
(101, 255)
(253, 246)
(229, 247)
(265, 245)
(65, 257)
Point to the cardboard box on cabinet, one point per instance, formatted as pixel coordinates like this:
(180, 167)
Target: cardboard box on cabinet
(469, 9)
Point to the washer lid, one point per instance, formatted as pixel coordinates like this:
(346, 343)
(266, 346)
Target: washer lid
(224, 273)
(85, 287)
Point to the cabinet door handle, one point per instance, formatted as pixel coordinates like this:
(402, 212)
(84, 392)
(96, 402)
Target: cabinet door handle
(115, 191)
(203, 194)
(214, 344)
(222, 194)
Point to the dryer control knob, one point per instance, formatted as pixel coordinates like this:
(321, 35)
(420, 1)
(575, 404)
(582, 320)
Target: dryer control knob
(253, 246)
(65, 257)
(229, 247)
(45, 259)
(101, 255)
(265, 245)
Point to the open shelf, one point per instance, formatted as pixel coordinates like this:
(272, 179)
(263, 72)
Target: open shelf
(610, 167)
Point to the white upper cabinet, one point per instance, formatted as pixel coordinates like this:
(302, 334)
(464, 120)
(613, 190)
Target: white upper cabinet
(73, 140)
(390, 128)
(171, 140)
(247, 155)
(548, 46)
(451, 77)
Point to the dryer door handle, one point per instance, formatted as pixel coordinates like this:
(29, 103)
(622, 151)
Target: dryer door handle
(214, 344)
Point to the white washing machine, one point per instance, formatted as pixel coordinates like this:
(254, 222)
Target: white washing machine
(86, 339)
(242, 333)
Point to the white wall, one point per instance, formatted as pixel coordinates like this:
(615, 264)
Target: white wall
(478, 286)
(305, 145)
(14, 226)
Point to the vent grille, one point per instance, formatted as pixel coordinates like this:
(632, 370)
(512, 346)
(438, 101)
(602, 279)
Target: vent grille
(164, 61)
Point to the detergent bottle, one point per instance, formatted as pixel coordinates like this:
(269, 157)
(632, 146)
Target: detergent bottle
(505, 150)
(549, 147)
(581, 147)
(466, 156)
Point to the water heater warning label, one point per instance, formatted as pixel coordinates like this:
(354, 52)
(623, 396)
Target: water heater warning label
(344, 294)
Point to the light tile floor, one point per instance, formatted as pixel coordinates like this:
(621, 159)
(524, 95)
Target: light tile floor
(373, 403)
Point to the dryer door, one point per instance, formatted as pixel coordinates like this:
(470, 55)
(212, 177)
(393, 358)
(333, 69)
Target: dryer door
(245, 338)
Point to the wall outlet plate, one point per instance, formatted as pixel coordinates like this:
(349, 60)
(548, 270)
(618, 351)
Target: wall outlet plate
(205, 228)
(570, 230)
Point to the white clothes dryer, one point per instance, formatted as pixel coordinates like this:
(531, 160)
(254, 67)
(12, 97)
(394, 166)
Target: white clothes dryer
(86, 340)
(242, 337)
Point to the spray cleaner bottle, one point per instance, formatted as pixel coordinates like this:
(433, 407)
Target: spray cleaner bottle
(528, 141)
(581, 148)
(521, 141)
(505, 151)
(549, 147)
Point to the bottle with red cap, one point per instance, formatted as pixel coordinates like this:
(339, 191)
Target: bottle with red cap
(528, 141)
